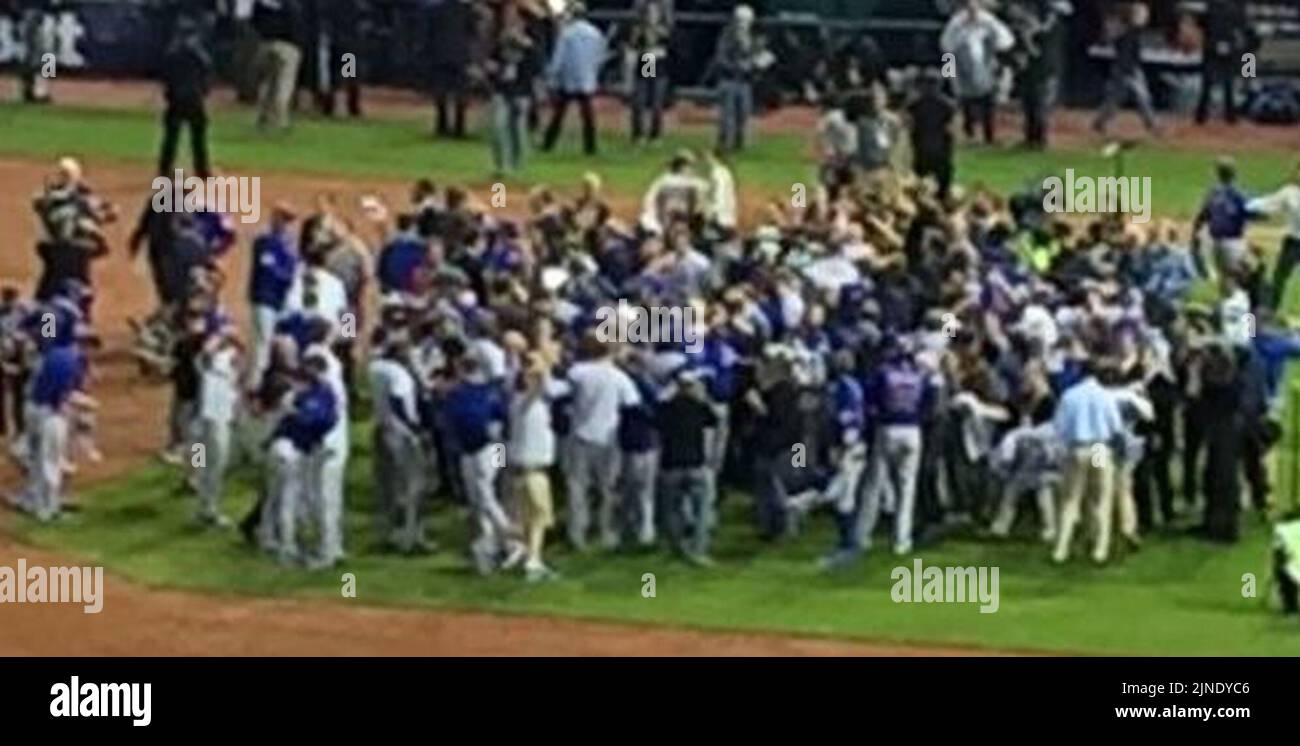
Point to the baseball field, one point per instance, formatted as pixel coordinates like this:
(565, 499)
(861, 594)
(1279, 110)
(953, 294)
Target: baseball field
(174, 589)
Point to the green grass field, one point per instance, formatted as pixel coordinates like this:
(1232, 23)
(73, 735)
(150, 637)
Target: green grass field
(402, 149)
(1176, 596)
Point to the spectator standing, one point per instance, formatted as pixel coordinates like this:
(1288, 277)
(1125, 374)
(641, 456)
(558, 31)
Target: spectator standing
(932, 115)
(38, 40)
(737, 61)
(279, 57)
(187, 69)
(338, 28)
(1127, 78)
(974, 37)
(1043, 44)
(511, 70)
(574, 75)
(651, 37)
(1225, 39)
(451, 48)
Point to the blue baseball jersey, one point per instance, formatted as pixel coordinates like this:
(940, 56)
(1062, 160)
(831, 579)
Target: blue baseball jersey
(849, 400)
(636, 424)
(275, 264)
(216, 230)
(472, 410)
(1225, 212)
(60, 372)
(54, 324)
(315, 412)
(899, 393)
(297, 326)
(399, 261)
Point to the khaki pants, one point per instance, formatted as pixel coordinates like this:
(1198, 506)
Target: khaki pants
(278, 74)
(1089, 474)
(533, 500)
(536, 509)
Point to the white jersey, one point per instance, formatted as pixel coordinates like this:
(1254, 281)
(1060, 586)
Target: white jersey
(600, 392)
(725, 208)
(1284, 202)
(392, 386)
(331, 295)
(219, 386)
(531, 444)
(671, 194)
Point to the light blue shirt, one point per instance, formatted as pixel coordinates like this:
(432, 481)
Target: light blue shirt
(579, 54)
(1088, 414)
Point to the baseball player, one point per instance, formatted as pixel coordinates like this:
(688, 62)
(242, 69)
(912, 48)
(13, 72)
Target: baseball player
(639, 443)
(849, 457)
(399, 460)
(275, 267)
(601, 391)
(218, 403)
(55, 387)
(333, 460)
(476, 415)
(719, 364)
(899, 397)
(298, 455)
(13, 370)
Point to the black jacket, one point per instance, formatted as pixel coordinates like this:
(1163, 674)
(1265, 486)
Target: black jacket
(1226, 28)
(187, 71)
(278, 23)
(453, 32)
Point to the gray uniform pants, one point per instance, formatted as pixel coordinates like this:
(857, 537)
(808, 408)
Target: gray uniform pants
(480, 470)
(215, 437)
(280, 511)
(895, 463)
(637, 484)
(47, 433)
(716, 441)
(591, 464)
(398, 469)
